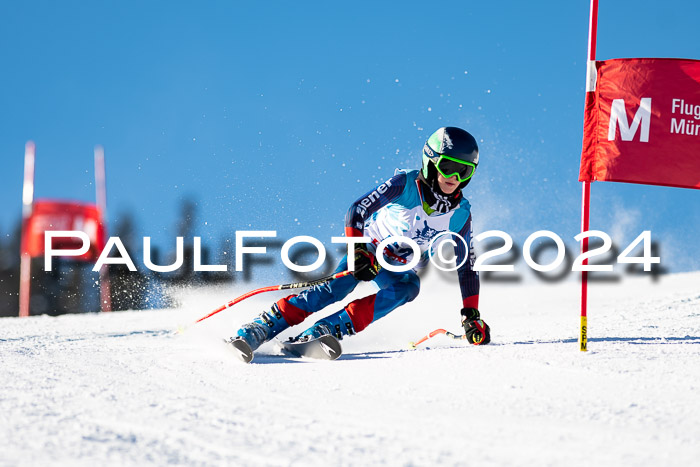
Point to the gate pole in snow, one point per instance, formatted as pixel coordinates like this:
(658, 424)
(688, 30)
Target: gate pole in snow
(101, 197)
(25, 273)
(586, 195)
(585, 204)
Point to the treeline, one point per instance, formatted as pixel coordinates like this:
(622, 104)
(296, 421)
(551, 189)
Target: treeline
(72, 287)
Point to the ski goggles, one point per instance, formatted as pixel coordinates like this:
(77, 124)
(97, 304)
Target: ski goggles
(449, 167)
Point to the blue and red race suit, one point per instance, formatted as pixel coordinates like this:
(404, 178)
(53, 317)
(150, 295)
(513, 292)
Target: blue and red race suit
(394, 208)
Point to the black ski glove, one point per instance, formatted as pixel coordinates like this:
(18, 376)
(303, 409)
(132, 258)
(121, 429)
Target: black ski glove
(476, 330)
(366, 265)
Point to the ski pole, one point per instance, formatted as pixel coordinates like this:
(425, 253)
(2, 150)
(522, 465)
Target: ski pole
(435, 333)
(294, 285)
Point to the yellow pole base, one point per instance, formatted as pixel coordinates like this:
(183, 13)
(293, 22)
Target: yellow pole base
(583, 339)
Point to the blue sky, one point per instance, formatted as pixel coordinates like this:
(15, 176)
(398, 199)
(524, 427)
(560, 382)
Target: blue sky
(277, 115)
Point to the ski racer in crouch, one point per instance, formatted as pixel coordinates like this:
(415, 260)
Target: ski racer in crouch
(418, 204)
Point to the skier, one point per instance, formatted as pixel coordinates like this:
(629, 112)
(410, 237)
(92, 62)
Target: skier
(419, 204)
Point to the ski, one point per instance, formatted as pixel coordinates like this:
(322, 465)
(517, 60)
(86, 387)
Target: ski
(240, 348)
(323, 348)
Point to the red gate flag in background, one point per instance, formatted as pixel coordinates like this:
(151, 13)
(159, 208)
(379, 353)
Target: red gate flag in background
(64, 215)
(642, 123)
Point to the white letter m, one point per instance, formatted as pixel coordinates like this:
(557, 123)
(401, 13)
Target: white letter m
(619, 115)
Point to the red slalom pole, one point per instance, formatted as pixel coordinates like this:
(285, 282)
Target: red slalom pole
(585, 205)
(591, 73)
(295, 285)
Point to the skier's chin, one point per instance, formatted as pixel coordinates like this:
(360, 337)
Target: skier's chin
(449, 188)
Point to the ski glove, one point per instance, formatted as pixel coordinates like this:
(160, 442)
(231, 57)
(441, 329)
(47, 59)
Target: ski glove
(366, 265)
(476, 331)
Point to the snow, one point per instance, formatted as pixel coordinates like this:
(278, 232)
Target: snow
(124, 389)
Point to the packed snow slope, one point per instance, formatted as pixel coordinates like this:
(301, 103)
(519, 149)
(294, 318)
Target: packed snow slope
(124, 389)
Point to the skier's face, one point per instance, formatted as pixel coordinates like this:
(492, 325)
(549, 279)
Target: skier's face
(447, 185)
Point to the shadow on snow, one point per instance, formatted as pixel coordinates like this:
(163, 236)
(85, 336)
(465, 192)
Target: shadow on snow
(631, 340)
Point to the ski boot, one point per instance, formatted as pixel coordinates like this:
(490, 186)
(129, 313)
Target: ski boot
(252, 335)
(337, 325)
(321, 341)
